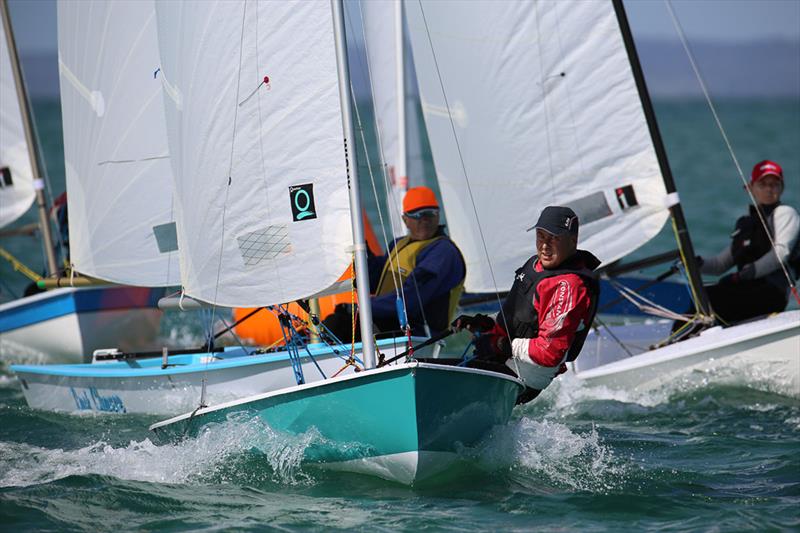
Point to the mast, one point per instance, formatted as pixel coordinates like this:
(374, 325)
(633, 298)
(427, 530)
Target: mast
(359, 244)
(33, 149)
(401, 171)
(675, 210)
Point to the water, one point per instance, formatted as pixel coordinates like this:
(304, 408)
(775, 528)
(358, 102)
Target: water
(685, 458)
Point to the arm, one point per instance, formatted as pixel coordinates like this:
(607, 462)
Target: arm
(439, 268)
(787, 228)
(719, 263)
(563, 305)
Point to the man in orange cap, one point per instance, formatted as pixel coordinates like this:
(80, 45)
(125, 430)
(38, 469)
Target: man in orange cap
(420, 278)
(759, 286)
(425, 268)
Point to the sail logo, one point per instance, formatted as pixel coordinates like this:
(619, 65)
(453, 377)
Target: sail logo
(301, 198)
(626, 197)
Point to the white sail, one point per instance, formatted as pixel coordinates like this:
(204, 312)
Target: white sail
(395, 98)
(545, 111)
(119, 179)
(16, 176)
(260, 174)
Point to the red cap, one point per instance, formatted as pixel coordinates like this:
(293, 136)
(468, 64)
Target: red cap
(419, 198)
(766, 168)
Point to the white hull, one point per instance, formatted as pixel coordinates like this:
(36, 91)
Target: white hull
(66, 325)
(764, 353)
(68, 338)
(405, 467)
(145, 388)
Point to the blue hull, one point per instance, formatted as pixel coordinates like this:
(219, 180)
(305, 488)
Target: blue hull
(402, 423)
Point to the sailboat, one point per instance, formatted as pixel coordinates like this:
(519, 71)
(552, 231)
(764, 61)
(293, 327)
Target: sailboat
(552, 109)
(123, 229)
(402, 422)
(67, 323)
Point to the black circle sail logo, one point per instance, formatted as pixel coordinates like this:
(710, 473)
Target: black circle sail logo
(301, 198)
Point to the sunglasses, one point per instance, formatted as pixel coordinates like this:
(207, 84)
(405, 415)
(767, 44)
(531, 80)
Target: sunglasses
(416, 215)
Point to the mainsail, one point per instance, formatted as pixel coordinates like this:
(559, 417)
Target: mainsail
(16, 176)
(255, 133)
(529, 105)
(119, 179)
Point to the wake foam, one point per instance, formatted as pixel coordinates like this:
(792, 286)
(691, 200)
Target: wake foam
(229, 452)
(550, 450)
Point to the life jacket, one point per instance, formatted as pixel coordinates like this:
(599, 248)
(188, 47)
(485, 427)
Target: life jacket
(751, 240)
(518, 308)
(401, 263)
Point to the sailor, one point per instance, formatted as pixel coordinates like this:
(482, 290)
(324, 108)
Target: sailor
(759, 285)
(421, 277)
(546, 316)
(425, 267)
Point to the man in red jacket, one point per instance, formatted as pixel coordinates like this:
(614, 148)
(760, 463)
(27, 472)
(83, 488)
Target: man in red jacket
(546, 316)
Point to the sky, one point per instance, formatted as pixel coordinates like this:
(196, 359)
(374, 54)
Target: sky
(727, 21)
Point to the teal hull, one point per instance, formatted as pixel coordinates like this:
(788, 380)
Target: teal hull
(402, 423)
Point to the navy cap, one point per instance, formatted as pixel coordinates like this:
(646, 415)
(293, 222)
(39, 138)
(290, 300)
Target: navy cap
(557, 220)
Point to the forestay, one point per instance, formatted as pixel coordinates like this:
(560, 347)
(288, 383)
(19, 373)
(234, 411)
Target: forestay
(119, 179)
(545, 111)
(16, 177)
(395, 95)
(260, 175)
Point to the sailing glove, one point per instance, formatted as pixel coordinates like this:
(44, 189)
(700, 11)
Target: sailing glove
(477, 323)
(747, 273)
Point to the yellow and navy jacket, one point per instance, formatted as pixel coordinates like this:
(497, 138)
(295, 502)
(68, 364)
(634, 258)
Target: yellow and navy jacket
(431, 274)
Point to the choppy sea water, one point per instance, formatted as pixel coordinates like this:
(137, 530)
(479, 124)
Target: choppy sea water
(720, 455)
(721, 458)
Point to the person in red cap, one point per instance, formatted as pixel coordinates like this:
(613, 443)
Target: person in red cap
(546, 316)
(424, 271)
(758, 286)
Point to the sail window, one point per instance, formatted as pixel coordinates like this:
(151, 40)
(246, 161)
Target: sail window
(6, 173)
(591, 208)
(166, 237)
(264, 244)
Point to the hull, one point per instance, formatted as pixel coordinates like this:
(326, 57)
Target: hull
(765, 351)
(64, 325)
(143, 387)
(403, 423)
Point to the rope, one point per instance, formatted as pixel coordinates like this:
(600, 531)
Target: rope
(713, 109)
(648, 306)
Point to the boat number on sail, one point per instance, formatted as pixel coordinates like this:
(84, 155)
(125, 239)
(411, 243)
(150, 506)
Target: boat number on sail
(302, 199)
(91, 400)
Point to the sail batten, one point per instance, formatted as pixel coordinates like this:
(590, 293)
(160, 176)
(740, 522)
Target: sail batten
(546, 111)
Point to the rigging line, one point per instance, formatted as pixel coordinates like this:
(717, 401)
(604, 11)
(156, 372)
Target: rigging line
(464, 170)
(395, 222)
(613, 336)
(399, 292)
(571, 109)
(713, 109)
(395, 275)
(230, 169)
(542, 80)
(277, 271)
(390, 200)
